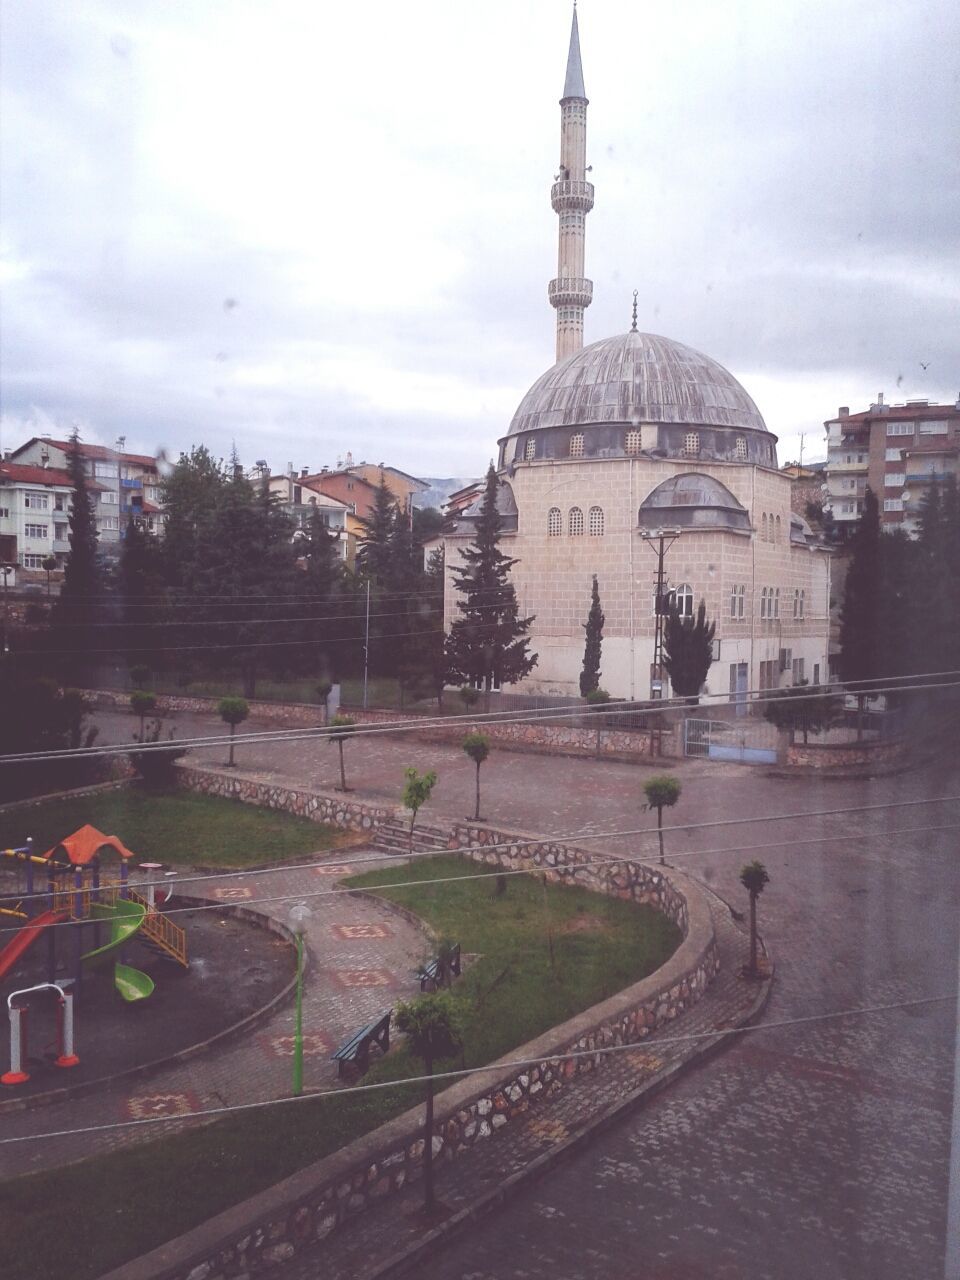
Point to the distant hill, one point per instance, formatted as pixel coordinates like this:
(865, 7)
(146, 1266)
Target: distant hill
(440, 490)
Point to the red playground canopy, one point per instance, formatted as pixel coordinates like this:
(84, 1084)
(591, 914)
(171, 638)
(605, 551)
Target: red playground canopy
(84, 846)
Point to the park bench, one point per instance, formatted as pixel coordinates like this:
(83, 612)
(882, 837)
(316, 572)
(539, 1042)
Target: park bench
(430, 972)
(356, 1051)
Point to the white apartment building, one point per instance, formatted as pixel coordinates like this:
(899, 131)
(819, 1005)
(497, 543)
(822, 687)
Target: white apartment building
(34, 510)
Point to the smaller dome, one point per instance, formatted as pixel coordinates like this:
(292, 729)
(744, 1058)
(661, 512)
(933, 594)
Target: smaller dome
(506, 505)
(692, 500)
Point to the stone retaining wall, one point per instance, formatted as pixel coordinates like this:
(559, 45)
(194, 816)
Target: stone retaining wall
(846, 755)
(336, 810)
(312, 1204)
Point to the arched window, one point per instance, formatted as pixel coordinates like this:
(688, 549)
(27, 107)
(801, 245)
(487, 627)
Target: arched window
(576, 445)
(734, 596)
(776, 603)
(596, 522)
(632, 442)
(691, 444)
(743, 598)
(554, 523)
(796, 602)
(741, 448)
(777, 535)
(763, 603)
(683, 599)
(802, 602)
(530, 450)
(763, 527)
(575, 523)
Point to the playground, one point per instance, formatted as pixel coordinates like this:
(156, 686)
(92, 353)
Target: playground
(102, 971)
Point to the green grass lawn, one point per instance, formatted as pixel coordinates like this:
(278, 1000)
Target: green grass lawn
(178, 827)
(84, 1220)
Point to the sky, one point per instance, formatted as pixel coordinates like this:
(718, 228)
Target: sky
(300, 229)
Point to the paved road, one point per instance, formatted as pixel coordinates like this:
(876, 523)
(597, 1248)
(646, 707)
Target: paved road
(815, 1150)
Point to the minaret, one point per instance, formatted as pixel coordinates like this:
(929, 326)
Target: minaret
(572, 199)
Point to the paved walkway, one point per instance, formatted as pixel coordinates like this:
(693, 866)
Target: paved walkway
(360, 959)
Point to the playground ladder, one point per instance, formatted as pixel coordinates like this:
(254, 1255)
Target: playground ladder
(161, 930)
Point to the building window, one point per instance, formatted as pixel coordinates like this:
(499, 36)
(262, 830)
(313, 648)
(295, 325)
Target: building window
(109, 522)
(632, 442)
(935, 428)
(796, 602)
(741, 448)
(900, 428)
(576, 445)
(802, 601)
(798, 664)
(895, 480)
(683, 600)
(894, 455)
(35, 531)
(777, 534)
(31, 561)
(575, 523)
(596, 522)
(530, 449)
(61, 532)
(763, 527)
(734, 596)
(691, 444)
(108, 498)
(849, 484)
(847, 508)
(4, 513)
(763, 603)
(34, 501)
(776, 603)
(105, 470)
(743, 600)
(893, 504)
(554, 523)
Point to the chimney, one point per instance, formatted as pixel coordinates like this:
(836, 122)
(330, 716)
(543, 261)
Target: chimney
(348, 460)
(843, 411)
(304, 472)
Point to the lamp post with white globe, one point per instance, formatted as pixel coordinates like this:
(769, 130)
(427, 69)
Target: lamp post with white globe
(300, 914)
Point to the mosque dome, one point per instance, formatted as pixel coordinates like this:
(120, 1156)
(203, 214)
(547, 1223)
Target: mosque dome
(693, 501)
(637, 378)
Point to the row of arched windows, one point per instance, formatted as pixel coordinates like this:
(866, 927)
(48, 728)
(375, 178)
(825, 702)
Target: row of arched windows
(769, 602)
(575, 522)
(632, 446)
(769, 528)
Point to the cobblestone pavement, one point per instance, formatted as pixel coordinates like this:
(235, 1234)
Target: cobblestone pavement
(360, 958)
(813, 1150)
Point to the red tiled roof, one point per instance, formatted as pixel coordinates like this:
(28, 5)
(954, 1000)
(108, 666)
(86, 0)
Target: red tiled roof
(901, 411)
(98, 452)
(20, 473)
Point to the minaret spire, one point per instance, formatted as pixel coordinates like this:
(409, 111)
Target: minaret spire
(572, 199)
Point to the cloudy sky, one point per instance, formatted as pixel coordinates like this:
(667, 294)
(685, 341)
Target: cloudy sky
(307, 228)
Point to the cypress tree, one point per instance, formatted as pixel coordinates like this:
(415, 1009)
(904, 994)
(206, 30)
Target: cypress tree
(861, 648)
(688, 650)
(80, 606)
(593, 642)
(375, 550)
(488, 643)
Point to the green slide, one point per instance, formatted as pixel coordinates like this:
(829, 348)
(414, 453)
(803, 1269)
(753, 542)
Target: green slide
(125, 919)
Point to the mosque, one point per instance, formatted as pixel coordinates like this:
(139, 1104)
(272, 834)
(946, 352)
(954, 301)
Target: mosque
(637, 456)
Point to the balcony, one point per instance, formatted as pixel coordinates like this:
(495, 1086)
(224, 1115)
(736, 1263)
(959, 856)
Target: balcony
(571, 291)
(132, 484)
(571, 195)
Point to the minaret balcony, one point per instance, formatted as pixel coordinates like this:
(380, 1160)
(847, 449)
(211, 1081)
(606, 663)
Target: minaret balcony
(571, 194)
(571, 291)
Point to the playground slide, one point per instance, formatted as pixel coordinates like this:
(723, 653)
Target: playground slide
(125, 919)
(15, 948)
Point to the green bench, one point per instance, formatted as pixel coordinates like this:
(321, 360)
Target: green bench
(355, 1052)
(429, 974)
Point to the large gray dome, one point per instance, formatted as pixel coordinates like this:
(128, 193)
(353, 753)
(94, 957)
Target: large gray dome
(634, 378)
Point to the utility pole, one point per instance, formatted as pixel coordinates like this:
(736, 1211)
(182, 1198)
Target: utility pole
(659, 541)
(366, 648)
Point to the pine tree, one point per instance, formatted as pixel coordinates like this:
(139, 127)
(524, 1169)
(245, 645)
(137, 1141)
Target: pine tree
(936, 580)
(375, 549)
(81, 605)
(590, 675)
(688, 650)
(488, 643)
(141, 595)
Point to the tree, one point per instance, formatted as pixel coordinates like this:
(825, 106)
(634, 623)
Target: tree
(477, 748)
(434, 1027)
(49, 563)
(79, 607)
(431, 641)
(662, 792)
(416, 793)
(375, 543)
(688, 650)
(324, 688)
(142, 703)
(488, 644)
(802, 709)
(754, 879)
(590, 675)
(343, 727)
(142, 588)
(469, 696)
(233, 711)
(860, 657)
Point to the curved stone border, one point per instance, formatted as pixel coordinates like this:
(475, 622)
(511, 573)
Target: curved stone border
(257, 918)
(314, 1202)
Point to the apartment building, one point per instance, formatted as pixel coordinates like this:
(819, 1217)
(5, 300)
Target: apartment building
(300, 497)
(34, 511)
(896, 449)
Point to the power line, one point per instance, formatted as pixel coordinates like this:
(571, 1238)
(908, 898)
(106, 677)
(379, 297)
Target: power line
(500, 1065)
(523, 716)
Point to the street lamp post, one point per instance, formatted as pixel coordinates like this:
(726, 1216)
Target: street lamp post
(659, 541)
(300, 913)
